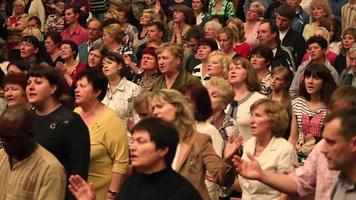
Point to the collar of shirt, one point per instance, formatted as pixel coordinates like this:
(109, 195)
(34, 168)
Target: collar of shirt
(344, 183)
(119, 87)
(77, 29)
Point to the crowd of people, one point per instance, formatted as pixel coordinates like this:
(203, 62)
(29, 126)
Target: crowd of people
(177, 99)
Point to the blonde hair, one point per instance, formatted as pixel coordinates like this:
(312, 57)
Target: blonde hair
(260, 9)
(184, 121)
(114, 31)
(325, 33)
(252, 82)
(240, 26)
(229, 32)
(277, 114)
(226, 92)
(114, 14)
(323, 3)
(224, 61)
(174, 49)
(32, 31)
(152, 14)
(287, 77)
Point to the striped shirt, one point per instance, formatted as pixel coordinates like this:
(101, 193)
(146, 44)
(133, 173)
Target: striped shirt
(98, 6)
(348, 16)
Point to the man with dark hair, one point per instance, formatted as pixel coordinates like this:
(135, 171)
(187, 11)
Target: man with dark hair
(191, 46)
(268, 34)
(152, 153)
(301, 16)
(74, 30)
(290, 38)
(314, 177)
(28, 171)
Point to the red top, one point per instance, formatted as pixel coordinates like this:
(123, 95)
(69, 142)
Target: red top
(243, 49)
(331, 56)
(79, 36)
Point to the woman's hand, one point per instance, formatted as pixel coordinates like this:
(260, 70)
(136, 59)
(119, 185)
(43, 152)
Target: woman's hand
(81, 189)
(232, 145)
(248, 169)
(61, 68)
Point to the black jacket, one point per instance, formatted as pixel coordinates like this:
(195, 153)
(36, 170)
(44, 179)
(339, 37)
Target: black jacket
(296, 44)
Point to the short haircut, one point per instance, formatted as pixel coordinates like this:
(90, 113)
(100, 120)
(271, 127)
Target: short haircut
(226, 92)
(189, 17)
(352, 48)
(114, 31)
(72, 45)
(224, 60)
(174, 49)
(32, 31)
(200, 97)
(277, 114)
(16, 78)
(328, 85)
(214, 24)
(324, 33)
(150, 51)
(52, 75)
(345, 94)
(263, 51)
(31, 39)
(55, 37)
(349, 31)
(142, 98)
(229, 33)
(252, 82)
(21, 65)
(162, 133)
(37, 20)
(347, 117)
(318, 40)
(259, 8)
(76, 9)
(195, 32)
(118, 59)
(286, 11)
(208, 42)
(124, 8)
(160, 27)
(97, 80)
(97, 20)
(151, 12)
(16, 119)
(273, 28)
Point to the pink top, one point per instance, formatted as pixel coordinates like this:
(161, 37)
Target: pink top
(251, 37)
(314, 176)
(243, 49)
(79, 36)
(331, 56)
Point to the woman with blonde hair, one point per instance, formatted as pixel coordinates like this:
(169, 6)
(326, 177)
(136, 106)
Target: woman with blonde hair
(227, 40)
(320, 10)
(242, 48)
(170, 62)
(195, 155)
(243, 78)
(218, 64)
(269, 120)
(253, 19)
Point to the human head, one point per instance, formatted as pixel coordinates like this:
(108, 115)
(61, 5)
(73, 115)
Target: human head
(268, 33)
(165, 138)
(112, 33)
(15, 89)
(34, 22)
(281, 78)
(211, 29)
(248, 74)
(205, 47)
(238, 27)
(261, 57)
(29, 46)
(348, 38)
(320, 9)
(96, 55)
(91, 83)
(188, 14)
(344, 96)
(255, 11)
(295, 4)
(155, 32)
(323, 32)
(317, 47)
(95, 29)
(174, 53)
(123, 11)
(32, 31)
(71, 14)
(318, 71)
(18, 7)
(198, 98)
(199, 5)
(227, 39)
(15, 133)
(148, 16)
(141, 104)
(18, 66)
(149, 59)
(218, 64)
(69, 49)
(285, 16)
(182, 116)
(352, 57)
(340, 139)
(192, 37)
(52, 41)
(220, 91)
(49, 74)
(115, 59)
(278, 115)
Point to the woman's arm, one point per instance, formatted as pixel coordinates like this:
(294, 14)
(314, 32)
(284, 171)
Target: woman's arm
(117, 180)
(294, 130)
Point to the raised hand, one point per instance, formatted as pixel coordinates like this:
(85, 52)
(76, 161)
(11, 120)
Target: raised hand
(232, 145)
(81, 189)
(248, 169)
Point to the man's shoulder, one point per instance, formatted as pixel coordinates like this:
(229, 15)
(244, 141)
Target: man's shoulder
(48, 159)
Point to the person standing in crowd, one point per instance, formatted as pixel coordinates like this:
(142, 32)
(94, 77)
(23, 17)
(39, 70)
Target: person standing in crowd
(310, 108)
(55, 21)
(301, 16)
(342, 60)
(95, 33)
(52, 44)
(109, 144)
(211, 29)
(244, 80)
(253, 20)
(227, 39)
(200, 11)
(57, 129)
(183, 19)
(348, 74)
(95, 57)
(152, 152)
(223, 8)
(31, 51)
(22, 159)
(74, 31)
(205, 47)
(348, 15)
(260, 58)
(242, 48)
(15, 90)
